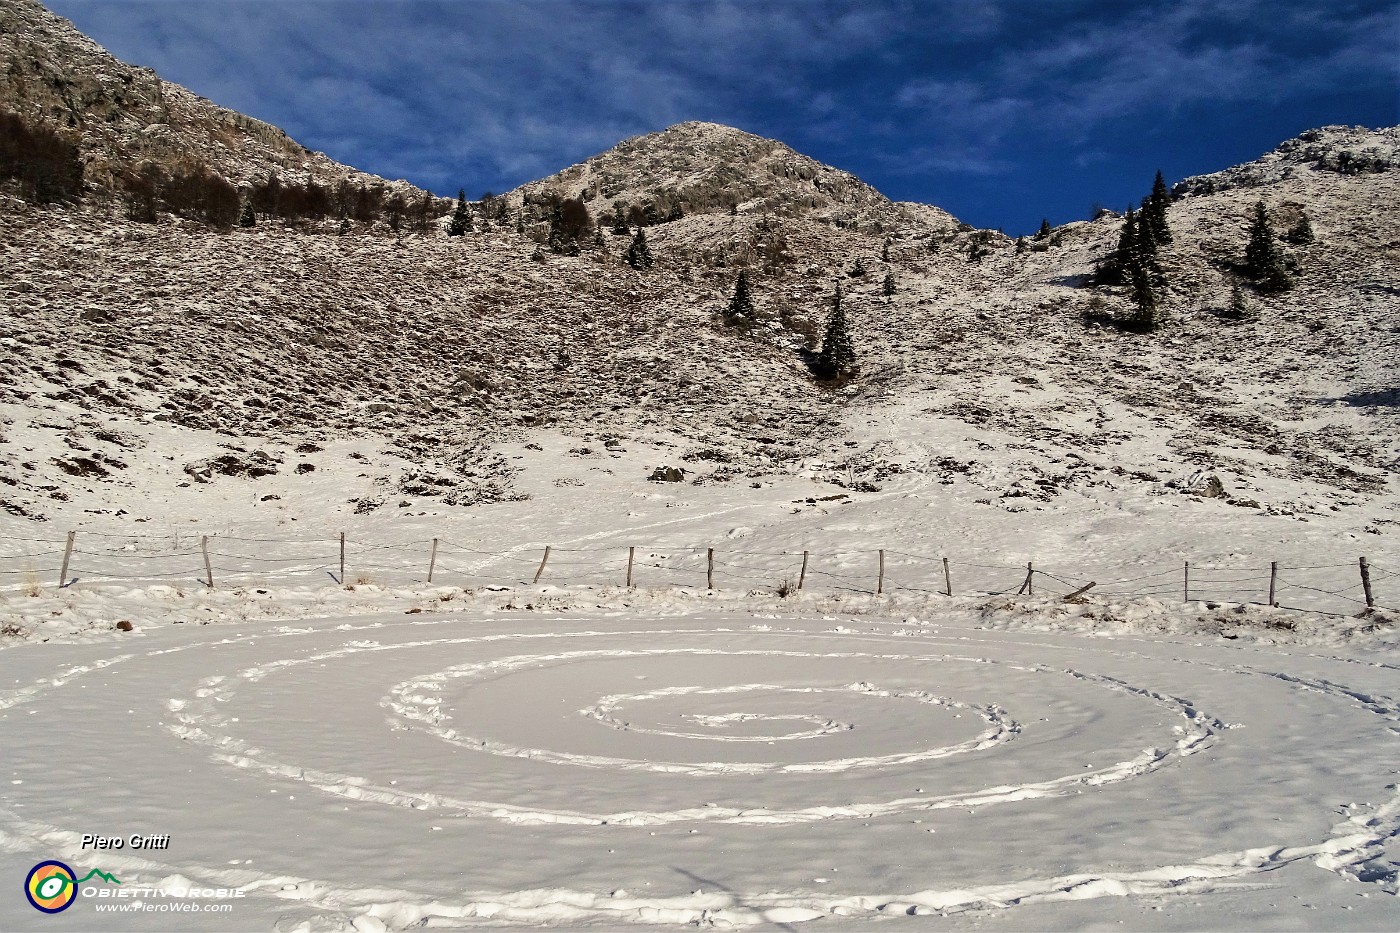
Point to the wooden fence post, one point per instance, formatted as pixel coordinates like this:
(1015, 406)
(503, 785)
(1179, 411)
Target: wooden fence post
(432, 561)
(947, 579)
(1186, 581)
(342, 558)
(802, 575)
(539, 573)
(208, 570)
(1081, 591)
(880, 584)
(1273, 577)
(1027, 587)
(67, 556)
(710, 568)
(631, 553)
(1366, 583)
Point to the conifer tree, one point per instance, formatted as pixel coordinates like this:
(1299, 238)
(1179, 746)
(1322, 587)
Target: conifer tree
(639, 254)
(978, 247)
(1144, 294)
(889, 284)
(619, 220)
(1302, 232)
(741, 305)
(1020, 245)
(1159, 200)
(1263, 261)
(1238, 309)
(1147, 241)
(246, 217)
(885, 252)
(1044, 230)
(1142, 273)
(461, 217)
(838, 358)
(1114, 269)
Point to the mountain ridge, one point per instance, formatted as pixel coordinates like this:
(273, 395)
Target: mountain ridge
(126, 115)
(188, 359)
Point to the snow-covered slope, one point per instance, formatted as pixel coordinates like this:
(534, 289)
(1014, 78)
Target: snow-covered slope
(173, 363)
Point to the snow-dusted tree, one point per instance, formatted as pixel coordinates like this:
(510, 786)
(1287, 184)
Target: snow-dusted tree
(1263, 260)
(638, 255)
(1239, 308)
(1113, 269)
(837, 359)
(889, 283)
(1156, 210)
(1141, 272)
(246, 217)
(461, 217)
(570, 225)
(1143, 283)
(741, 305)
(978, 246)
(1146, 233)
(619, 222)
(1301, 234)
(885, 252)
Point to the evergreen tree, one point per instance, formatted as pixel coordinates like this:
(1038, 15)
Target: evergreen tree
(246, 217)
(1144, 295)
(978, 247)
(461, 217)
(569, 225)
(889, 284)
(1020, 245)
(885, 252)
(858, 269)
(1239, 308)
(638, 255)
(1114, 269)
(1147, 241)
(619, 221)
(1142, 273)
(838, 358)
(1302, 232)
(741, 305)
(1044, 230)
(1159, 200)
(1263, 261)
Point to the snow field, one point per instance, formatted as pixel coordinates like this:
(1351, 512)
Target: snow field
(461, 767)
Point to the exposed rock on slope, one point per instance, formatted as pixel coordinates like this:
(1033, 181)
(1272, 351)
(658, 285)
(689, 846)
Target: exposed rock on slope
(981, 368)
(705, 168)
(126, 115)
(1343, 150)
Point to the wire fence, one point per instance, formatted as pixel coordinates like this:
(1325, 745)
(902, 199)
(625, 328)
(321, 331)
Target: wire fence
(89, 557)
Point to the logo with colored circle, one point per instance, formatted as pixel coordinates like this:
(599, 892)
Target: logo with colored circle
(51, 886)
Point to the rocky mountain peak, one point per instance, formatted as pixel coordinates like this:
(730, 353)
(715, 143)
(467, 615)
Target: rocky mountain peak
(709, 168)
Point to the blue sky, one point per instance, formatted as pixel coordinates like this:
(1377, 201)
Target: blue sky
(1001, 111)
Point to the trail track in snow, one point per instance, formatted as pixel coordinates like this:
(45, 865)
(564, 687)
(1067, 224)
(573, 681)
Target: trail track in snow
(586, 770)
